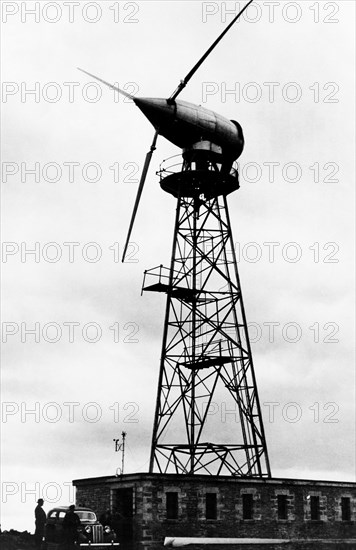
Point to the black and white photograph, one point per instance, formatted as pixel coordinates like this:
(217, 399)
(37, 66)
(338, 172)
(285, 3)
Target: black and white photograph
(178, 275)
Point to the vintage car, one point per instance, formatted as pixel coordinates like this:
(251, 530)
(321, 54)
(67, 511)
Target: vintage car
(90, 532)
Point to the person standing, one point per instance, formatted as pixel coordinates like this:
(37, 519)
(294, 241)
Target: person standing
(40, 522)
(71, 523)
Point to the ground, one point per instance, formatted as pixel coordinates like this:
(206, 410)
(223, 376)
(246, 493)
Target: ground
(13, 540)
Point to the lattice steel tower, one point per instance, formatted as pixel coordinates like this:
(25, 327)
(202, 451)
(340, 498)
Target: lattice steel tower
(206, 350)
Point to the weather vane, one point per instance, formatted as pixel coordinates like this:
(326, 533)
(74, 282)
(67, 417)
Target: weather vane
(121, 447)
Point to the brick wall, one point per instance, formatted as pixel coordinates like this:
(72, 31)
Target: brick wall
(95, 497)
(151, 526)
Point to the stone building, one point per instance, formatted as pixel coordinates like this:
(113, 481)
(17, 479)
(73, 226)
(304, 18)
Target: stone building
(290, 513)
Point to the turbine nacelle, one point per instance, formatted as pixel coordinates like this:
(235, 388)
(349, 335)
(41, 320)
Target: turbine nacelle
(185, 124)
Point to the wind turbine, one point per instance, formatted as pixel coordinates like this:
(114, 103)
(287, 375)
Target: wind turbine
(184, 123)
(206, 350)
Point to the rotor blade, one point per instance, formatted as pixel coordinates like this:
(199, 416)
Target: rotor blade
(185, 81)
(139, 191)
(108, 84)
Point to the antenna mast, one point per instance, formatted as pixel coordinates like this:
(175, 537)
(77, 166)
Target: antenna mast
(123, 452)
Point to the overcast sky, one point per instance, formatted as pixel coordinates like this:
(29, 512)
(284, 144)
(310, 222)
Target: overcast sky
(286, 74)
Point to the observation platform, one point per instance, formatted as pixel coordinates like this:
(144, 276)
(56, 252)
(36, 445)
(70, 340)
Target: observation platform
(206, 362)
(161, 275)
(181, 180)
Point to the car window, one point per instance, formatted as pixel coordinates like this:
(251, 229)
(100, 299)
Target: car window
(86, 516)
(61, 514)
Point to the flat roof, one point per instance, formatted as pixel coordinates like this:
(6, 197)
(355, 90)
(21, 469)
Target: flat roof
(208, 478)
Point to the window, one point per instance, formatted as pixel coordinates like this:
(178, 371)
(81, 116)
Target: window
(345, 509)
(172, 505)
(86, 516)
(210, 506)
(282, 507)
(247, 506)
(314, 508)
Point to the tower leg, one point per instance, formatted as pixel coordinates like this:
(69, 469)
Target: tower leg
(206, 369)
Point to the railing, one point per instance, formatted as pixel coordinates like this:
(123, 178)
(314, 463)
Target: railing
(205, 350)
(174, 164)
(166, 169)
(159, 272)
